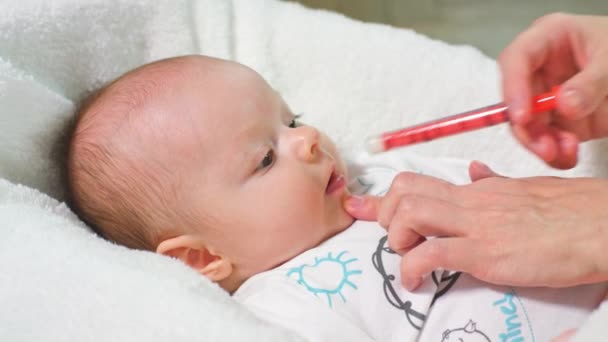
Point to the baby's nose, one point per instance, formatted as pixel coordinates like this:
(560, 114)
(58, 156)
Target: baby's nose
(308, 143)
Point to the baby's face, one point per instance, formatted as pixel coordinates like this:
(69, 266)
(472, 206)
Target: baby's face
(264, 187)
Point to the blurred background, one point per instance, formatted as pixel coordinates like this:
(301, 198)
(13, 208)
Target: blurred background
(487, 24)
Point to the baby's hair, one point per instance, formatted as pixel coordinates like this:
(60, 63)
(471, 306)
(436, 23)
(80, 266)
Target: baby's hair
(121, 195)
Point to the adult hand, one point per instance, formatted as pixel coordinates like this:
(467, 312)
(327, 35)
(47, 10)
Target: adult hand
(540, 231)
(565, 336)
(558, 49)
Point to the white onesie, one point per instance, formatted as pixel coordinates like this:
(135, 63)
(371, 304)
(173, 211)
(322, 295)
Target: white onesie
(349, 287)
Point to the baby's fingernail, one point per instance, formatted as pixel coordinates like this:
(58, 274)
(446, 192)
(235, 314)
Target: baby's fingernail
(355, 202)
(412, 284)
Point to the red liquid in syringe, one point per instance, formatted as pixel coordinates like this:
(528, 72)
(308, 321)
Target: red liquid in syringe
(459, 123)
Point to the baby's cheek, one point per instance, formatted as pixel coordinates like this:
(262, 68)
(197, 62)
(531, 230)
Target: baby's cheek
(330, 147)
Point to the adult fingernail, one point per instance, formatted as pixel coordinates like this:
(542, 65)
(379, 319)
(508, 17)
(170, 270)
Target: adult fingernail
(482, 166)
(574, 100)
(518, 112)
(355, 202)
(412, 284)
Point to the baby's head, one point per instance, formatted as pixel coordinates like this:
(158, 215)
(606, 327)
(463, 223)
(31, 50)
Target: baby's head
(200, 159)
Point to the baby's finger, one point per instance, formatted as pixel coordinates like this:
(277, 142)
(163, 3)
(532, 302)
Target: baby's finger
(454, 254)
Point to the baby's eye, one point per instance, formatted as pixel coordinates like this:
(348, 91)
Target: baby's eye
(294, 121)
(266, 161)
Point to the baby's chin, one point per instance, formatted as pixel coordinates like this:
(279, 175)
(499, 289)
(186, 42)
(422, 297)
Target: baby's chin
(343, 219)
(336, 229)
(340, 221)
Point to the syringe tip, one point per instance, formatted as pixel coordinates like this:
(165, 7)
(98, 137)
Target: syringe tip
(375, 145)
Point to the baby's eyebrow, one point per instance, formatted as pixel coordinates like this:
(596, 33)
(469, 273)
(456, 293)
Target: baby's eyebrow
(285, 107)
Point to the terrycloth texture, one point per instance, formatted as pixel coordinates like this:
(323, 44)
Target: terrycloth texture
(54, 53)
(59, 282)
(348, 78)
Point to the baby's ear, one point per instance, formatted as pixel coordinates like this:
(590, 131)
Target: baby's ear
(191, 250)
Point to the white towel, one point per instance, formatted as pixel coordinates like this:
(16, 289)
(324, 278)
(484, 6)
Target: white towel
(59, 282)
(54, 53)
(352, 80)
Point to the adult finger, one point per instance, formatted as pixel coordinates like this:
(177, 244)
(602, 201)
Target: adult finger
(479, 170)
(556, 147)
(415, 183)
(454, 254)
(592, 127)
(537, 138)
(599, 123)
(409, 183)
(567, 149)
(363, 207)
(584, 92)
(419, 217)
(565, 336)
(518, 62)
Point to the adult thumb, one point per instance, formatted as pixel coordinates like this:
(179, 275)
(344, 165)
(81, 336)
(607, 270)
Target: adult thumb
(363, 207)
(584, 92)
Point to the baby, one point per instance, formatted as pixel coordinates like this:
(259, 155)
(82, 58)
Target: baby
(200, 159)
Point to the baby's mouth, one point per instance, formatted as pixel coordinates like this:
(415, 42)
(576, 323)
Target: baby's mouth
(335, 182)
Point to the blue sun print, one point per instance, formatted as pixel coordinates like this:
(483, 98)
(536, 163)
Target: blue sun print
(327, 276)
